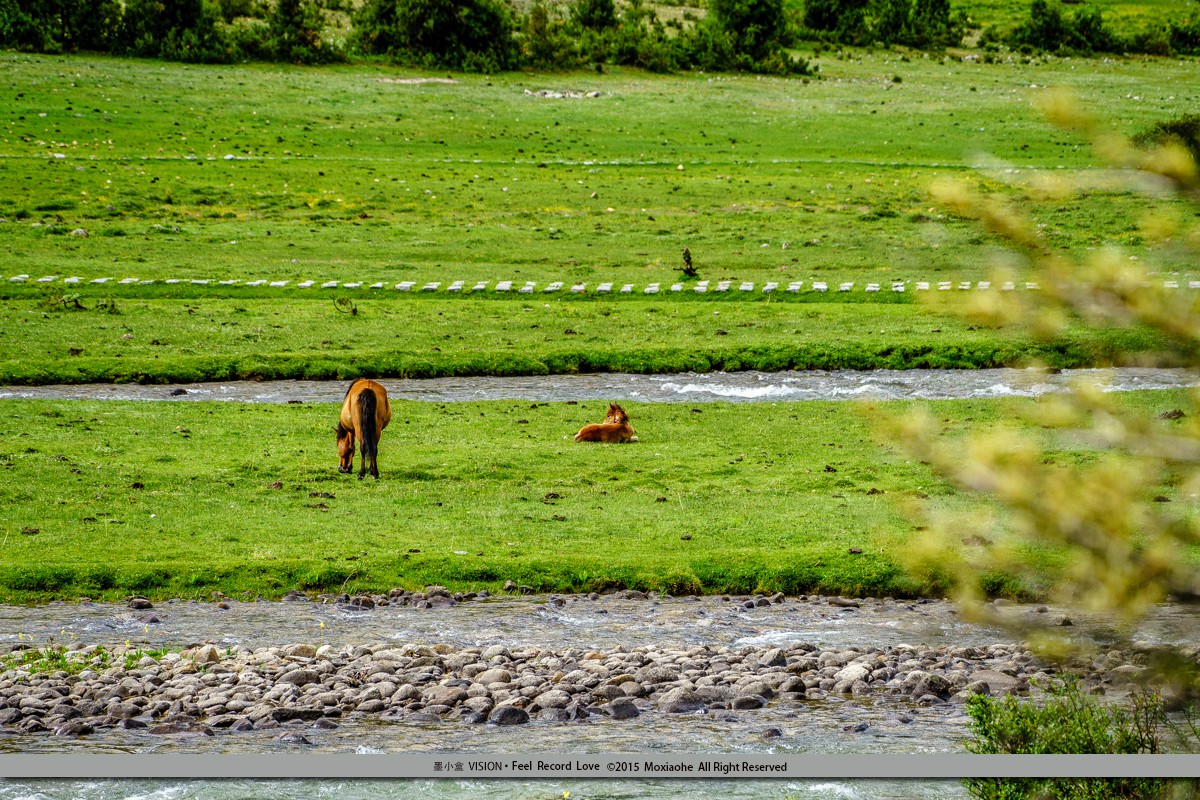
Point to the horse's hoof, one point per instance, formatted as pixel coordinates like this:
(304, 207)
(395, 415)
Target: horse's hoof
(361, 476)
(343, 471)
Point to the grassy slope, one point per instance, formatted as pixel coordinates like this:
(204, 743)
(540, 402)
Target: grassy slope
(1121, 15)
(176, 499)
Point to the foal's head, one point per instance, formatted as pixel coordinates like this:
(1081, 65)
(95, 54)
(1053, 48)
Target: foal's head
(616, 414)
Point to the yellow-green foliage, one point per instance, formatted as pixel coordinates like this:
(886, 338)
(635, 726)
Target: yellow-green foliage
(1127, 543)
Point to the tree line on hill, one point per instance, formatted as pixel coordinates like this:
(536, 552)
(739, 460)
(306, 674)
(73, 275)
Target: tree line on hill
(472, 35)
(490, 35)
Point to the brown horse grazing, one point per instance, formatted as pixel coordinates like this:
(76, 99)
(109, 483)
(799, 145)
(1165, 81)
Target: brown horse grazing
(615, 428)
(365, 413)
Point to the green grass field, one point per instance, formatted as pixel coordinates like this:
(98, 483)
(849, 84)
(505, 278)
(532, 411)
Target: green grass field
(196, 340)
(104, 499)
(263, 172)
(279, 173)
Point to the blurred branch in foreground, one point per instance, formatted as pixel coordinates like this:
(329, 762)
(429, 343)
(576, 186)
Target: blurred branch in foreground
(1119, 517)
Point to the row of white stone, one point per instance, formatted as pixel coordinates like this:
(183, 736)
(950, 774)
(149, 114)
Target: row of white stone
(700, 287)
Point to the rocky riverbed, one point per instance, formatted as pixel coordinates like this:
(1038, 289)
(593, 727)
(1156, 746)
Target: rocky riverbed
(293, 688)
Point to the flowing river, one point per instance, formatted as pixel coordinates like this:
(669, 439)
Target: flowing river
(834, 725)
(917, 384)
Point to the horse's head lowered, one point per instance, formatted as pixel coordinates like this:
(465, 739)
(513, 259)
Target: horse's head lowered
(345, 448)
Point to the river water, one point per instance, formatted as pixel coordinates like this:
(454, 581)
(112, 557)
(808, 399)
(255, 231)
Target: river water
(831, 726)
(917, 384)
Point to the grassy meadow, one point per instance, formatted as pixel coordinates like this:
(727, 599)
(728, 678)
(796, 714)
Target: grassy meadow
(119, 169)
(184, 341)
(108, 498)
(366, 173)
(351, 173)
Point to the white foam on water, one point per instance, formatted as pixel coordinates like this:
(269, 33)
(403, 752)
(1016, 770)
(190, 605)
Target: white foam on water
(833, 790)
(866, 390)
(161, 793)
(724, 390)
(1004, 390)
(775, 639)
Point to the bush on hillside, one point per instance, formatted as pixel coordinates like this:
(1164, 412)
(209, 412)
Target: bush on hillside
(54, 27)
(175, 30)
(594, 15)
(756, 28)
(1049, 29)
(547, 41)
(295, 29)
(470, 35)
(913, 23)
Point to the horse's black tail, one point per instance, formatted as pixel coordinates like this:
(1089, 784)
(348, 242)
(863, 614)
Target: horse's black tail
(366, 419)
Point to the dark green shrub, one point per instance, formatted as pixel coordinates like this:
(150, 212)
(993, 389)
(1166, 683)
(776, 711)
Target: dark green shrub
(54, 26)
(233, 9)
(640, 40)
(594, 14)
(756, 28)
(1185, 36)
(295, 31)
(546, 41)
(251, 40)
(1048, 29)
(176, 30)
(472, 35)
(1069, 721)
(914, 23)
(843, 18)
(1184, 131)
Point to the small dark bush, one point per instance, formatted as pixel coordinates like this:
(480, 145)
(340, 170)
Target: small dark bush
(175, 30)
(1069, 721)
(594, 15)
(1184, 131)
(470, 35)
(295, 34)
(546, 41)
(1049, 29)
(54, 26)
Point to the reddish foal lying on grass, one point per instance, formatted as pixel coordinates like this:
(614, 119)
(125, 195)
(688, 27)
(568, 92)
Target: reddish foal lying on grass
(365, 413)
(615, 428)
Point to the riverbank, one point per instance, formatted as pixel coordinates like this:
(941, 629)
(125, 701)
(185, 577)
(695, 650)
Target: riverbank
(170, 341)
(298, 689)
